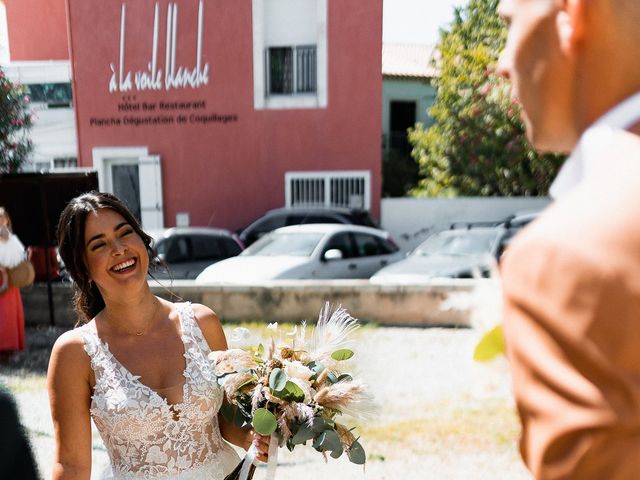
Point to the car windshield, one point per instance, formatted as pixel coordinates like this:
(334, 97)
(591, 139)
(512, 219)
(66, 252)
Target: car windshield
(291, 244)
(468, 242)
(161, 246)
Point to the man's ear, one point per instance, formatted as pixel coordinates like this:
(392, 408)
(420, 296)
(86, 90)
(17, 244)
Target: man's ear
(571, 22)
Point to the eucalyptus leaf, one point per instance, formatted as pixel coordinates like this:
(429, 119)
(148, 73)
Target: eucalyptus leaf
(342, 354)
(277, 380)
(490, 345)
(316, 368)
(264, 422)
(321, 424)
(356, 453)
(332, 377)
(293, 393)
(261, 350)
(328, 441)
(337, 453)
(345, 377)
(303, 434)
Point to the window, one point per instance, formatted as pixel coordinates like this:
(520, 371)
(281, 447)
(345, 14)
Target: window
(231, 247)
(178, 250)
(342, 242)
(206, 247)
(367, 245)
(53, 94)
(65, 162)
(292, 70)
(290, 53)
(345, 188)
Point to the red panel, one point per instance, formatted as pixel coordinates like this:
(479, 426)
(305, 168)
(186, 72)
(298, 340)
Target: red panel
(37, 29)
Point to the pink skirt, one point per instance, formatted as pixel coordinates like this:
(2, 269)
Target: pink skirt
(11, 321)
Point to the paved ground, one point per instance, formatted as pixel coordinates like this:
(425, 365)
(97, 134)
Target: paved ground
(440, 415)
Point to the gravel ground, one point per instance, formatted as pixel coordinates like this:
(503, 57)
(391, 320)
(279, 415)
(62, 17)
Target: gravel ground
(440, 416)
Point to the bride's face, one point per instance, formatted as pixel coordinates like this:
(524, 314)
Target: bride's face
(115, 254)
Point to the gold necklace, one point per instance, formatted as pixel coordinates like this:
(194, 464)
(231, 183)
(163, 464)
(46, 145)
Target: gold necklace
(140, 333)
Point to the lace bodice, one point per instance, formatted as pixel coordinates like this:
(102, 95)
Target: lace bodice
(145, 436)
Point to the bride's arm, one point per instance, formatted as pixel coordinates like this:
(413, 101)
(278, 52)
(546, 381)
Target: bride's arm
(214, 335)
(68, 380)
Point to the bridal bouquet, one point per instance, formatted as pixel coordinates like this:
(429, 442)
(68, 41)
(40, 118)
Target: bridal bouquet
(296, 390)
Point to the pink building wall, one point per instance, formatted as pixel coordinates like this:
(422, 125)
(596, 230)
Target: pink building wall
(37, 30)
(227, 174)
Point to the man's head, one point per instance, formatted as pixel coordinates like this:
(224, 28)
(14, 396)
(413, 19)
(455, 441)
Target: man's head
(569, 62)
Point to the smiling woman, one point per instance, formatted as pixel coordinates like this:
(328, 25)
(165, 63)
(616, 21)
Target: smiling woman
(109, 370)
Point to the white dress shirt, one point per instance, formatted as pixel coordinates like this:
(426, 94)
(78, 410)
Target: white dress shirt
(580, 163)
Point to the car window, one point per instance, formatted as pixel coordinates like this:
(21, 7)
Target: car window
(467, 242)
(206, 247)
(161, 246)
(361, 218)
(386, 246)
(341, 241)
(320, 219)
(260, 227)
(366, 245)
(290, 244)
(178, 250)
(230, 246)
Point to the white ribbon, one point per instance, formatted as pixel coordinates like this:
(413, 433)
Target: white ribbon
(272, 462)
(249, 460)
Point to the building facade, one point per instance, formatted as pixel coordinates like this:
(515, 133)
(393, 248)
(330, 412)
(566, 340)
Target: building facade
(210, 112)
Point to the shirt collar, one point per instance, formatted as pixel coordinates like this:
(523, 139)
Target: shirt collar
(620, 117)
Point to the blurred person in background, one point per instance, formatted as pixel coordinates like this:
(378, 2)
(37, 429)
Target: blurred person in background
(12, 252)
(572, 278)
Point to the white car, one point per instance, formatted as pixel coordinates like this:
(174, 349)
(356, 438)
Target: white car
(322, 251)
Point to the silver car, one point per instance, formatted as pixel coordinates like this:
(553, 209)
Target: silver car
(458, 253)
(320, 251)
(189, 250)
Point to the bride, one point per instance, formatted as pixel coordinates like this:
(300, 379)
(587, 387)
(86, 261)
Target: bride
(138, 364)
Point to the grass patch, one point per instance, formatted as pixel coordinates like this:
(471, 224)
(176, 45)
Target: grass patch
(490, 426)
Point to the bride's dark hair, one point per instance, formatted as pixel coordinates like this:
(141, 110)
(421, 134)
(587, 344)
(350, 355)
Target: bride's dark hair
(87, 299)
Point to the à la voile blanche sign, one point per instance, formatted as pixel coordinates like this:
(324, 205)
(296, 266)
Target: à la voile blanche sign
(158, 76)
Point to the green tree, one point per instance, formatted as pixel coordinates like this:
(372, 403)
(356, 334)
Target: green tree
(15, 122)
(477, 145)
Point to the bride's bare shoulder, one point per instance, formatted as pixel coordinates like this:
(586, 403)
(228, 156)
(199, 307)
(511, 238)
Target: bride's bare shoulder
(210, 326)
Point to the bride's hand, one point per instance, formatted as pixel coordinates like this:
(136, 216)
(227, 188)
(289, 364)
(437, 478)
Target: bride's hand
(261, 443)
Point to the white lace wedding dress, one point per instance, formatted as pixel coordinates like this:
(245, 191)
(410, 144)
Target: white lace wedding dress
(144, 435)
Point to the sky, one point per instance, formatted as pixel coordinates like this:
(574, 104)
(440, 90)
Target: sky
(415, 21)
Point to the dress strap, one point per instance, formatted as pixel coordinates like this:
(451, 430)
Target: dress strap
(90, 338)
(190, 328)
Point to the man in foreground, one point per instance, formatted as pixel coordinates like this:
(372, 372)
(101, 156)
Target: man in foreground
(572, 279)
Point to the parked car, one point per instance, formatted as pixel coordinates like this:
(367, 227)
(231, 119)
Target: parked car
(282, 217)
(321, 251)
(189, 250)
(457, 253)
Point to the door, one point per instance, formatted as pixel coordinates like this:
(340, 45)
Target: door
(151, 205)
(137, 180)
(125, 184)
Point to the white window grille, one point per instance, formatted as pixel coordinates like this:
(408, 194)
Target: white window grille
(291, 70)
(348, 189)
